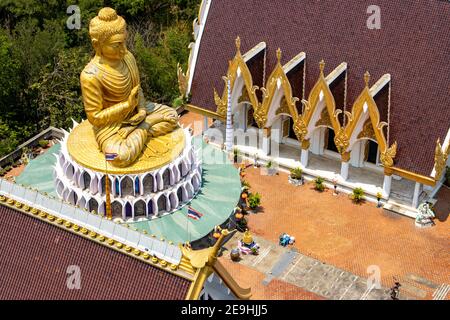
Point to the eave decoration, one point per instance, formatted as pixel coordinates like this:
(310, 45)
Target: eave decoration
(237, 67)
(329, 115)
(366, 102)
(440, 159)
(205, 263)
(276, 80)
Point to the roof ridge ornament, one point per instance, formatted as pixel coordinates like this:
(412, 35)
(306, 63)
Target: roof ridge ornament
(238, 44)
(367, 78)
(321, 66)
(279, 55)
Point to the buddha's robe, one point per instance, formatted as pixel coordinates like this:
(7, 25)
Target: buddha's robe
(105, 93)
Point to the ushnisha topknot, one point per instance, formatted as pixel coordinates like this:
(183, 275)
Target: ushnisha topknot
(106, 24)
(107, 14)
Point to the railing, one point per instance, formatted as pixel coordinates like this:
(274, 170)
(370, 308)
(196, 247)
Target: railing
(60, 209)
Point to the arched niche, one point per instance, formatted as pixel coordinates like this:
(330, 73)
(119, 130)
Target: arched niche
(127, 186)
(86, 180)
(166, 178)
(139, 208)
(103, 186)
(162, 203)
(128, 210)
(116, 208)
(93, 205)
(149, 184)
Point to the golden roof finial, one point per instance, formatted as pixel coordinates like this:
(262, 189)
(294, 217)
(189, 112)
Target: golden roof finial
(238, 44)
(321, 66)
(279, 55)
(367, 78)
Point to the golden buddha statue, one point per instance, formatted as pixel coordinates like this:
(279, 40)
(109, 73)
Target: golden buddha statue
(113, 100)
(247, 239)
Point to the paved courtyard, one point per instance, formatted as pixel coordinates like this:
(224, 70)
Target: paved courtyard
(338, 243)
(353, 237)
(291, 268)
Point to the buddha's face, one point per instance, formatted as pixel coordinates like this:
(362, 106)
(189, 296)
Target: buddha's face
(115, 47)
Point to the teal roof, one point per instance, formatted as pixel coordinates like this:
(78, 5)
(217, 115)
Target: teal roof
(216, 200)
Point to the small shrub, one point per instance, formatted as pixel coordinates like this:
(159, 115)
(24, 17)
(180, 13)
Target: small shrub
(246, 184)
(269, 164)
(254, 200)
(8, 168)
(178, 102)
(43, 143)
(318, 184)
(296, 173)
(357, 194)
(242, 224)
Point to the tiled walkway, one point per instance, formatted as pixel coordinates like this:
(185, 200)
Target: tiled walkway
(291, 267)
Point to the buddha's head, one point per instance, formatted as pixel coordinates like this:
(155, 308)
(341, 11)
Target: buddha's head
(108, 33)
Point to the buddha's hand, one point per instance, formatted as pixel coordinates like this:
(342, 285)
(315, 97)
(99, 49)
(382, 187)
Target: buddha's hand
(138, 117)
(133, 98)
(171, 118)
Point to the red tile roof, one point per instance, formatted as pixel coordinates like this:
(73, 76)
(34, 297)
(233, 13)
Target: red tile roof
(412, 45)
(35, 255)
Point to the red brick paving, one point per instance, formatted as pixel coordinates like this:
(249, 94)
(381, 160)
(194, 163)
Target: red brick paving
(349, 236)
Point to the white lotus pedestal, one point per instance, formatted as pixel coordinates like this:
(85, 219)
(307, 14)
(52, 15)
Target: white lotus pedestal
(138, 193)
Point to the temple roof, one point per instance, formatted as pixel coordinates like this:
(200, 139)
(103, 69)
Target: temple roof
(35, 256)
(412, 46)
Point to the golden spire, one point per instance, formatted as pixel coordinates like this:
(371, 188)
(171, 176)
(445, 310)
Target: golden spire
(367, 78)
(321, 66)
(238, 44)
(279, 55)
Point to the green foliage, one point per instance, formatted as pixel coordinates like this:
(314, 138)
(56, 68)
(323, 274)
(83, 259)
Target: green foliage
(296, 173)
(357, 194)
(41, 59)
(246, 184)
(158, 64)
(269, 164)
(254, 200)
(318, 184)
(43, 143)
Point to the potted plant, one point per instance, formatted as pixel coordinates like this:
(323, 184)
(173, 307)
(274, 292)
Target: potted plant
(235, 155)
(245, 184)
(335, 182)
(270, 168)
(357, 195)
(296, 176)
(254, 201)
(379, 196)
(241, 224)
(43, 143)
(318, 184)
(256, 164)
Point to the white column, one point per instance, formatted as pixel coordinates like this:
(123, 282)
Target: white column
(415, 201)
(304, 157)
(229, 126)
(266, 141)
(344, 170)
(387, 185)
(205, 123)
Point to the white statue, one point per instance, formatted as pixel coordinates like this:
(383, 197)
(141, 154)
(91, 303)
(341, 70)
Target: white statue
(425, 216)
